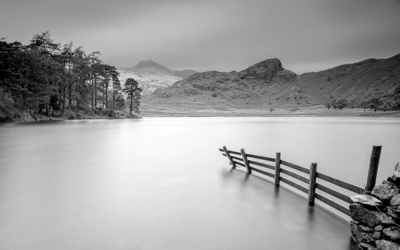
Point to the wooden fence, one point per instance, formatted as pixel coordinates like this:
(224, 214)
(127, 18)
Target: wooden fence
(262, 165)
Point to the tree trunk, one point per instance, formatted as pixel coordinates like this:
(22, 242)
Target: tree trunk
(63, 105)
(92, 94)
(69, 95)
(106, 89)
(131, 102)
(69, 85)
(95, 91)
(113, 99)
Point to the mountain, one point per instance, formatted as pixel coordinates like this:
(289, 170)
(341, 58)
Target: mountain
(149, 82)
(267, 85)
(149, 66)
(354, 81)
(152, 75)
(254, 83)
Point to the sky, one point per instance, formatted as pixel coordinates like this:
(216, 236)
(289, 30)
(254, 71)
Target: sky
(222, 35)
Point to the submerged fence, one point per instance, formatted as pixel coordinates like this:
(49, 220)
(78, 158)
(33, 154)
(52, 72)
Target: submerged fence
(308, 176)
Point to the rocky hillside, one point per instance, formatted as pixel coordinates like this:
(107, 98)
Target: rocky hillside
(354, 81)
(267, 85)
(152, 76)
(260, 84)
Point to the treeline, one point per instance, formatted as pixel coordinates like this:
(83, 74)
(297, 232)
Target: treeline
(46, 78)
(377, 101)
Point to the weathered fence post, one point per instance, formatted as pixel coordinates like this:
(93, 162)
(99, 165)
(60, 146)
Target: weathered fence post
(246, 163)
(373, 168)
(277, 168)
(311, 188)
(229, 157)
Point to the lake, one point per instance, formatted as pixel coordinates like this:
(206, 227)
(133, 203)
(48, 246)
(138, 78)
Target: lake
(161, 183)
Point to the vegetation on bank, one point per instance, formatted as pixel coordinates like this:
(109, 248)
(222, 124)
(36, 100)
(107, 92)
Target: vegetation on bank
(377, 101)
(44, 80)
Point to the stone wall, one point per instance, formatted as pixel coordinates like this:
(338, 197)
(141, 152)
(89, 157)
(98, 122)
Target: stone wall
(376, 218)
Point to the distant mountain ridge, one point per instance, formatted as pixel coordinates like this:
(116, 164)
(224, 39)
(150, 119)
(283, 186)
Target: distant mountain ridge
(152, 76)
(356, 80)
(232, 85)
(150, 66)
(267, 85)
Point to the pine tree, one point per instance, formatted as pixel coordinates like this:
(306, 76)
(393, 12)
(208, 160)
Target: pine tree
(133, 91)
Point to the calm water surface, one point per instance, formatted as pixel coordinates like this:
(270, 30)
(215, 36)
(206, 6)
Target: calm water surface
(161, 183)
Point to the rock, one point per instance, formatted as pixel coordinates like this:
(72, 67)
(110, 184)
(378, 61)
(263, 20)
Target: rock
(365, 228)
(392, 232)
(392, 212)
(385, 192)
(378, 228)
(358, 235)
(388, 181)
(365, 246)
(366, 200)
(377, 235)
(395, 201)
(396, 174)
(265, 70)
(368, 217)
(387, 245)
(285, 75)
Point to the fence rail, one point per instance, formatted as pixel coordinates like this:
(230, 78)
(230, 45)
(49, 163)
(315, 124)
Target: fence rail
(313, 176)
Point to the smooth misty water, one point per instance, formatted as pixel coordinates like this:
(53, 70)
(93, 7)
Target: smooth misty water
(161, 183)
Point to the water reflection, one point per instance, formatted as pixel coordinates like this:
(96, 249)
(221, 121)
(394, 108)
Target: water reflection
(163, 184)
(290, 216)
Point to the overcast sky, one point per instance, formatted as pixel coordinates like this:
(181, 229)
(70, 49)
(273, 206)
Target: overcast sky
(223, 35)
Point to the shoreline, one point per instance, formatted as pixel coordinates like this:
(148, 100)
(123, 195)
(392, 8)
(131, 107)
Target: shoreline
(307, 112)
(27, 117)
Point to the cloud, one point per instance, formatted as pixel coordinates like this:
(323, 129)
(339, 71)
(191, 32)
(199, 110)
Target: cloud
(212, 35)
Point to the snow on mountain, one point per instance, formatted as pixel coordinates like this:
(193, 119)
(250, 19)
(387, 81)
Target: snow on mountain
(149, 82)
(151, 76)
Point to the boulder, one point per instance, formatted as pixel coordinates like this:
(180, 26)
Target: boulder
(377, 235)
(358, 235)
(395, 201)
(365, 246)
(392, 212)
(393, 233)
(385, 192)
(396, 174)
(387, 245)
(366, 200)
(365, 228)
(378, 228)
(368, 217)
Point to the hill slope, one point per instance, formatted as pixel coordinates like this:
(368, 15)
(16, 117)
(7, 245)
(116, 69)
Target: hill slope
(354, 81)
(267, 85)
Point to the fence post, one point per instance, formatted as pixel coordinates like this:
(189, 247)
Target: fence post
(229, 157)
(277, 168)
(373, 168)
(246, 163)
(311, 188)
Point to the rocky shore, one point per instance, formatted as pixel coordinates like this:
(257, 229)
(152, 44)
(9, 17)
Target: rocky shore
(376, 218)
